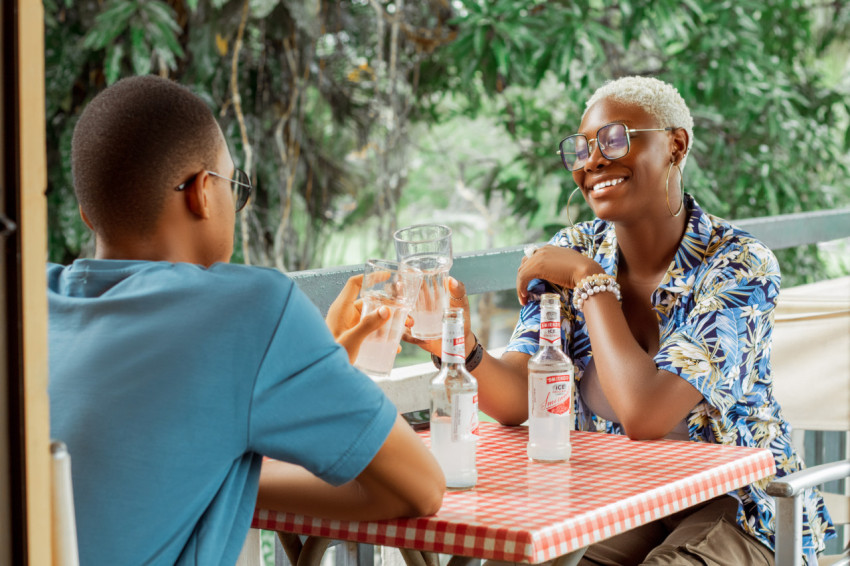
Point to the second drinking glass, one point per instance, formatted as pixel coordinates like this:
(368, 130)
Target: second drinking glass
(395, 286)
(427, 247)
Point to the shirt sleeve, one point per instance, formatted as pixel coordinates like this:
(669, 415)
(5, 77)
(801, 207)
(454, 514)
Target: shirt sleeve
(310, 406)
(720, 347)
(526, 335)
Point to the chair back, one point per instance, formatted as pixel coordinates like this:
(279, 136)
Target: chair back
(811, 355)
(810, 360)
(65, 552)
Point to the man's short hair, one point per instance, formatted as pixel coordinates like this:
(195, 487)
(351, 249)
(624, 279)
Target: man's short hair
(131, 145)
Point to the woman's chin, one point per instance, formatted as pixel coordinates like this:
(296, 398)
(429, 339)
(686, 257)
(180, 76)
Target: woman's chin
(604, 211)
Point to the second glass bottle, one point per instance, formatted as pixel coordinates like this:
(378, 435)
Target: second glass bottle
(550, 389)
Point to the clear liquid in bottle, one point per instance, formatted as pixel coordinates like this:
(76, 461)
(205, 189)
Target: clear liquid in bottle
(454, 408)
(550, 389)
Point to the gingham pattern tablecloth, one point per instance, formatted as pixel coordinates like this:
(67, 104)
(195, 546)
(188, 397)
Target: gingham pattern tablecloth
(522, 511)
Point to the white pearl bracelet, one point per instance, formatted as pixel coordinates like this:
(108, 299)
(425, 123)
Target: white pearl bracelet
(593, 284)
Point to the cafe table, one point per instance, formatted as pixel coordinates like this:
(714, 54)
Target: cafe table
(523, 511)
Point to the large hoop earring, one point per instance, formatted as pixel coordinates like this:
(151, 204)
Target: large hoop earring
(569, 217)
(667, 187)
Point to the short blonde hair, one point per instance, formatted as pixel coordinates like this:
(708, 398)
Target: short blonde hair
(659, 99)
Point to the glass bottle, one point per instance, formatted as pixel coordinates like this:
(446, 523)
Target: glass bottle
(454, 408)
(550, 389)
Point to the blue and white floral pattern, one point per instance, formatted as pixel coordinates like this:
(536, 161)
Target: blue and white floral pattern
(715, 313)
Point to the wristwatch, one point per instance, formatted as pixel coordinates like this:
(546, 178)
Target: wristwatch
(472, 360)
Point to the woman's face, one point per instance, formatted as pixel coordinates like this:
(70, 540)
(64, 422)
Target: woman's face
(632, 186)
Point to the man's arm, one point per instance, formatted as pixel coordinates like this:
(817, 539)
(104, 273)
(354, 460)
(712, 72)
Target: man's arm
(402, 480)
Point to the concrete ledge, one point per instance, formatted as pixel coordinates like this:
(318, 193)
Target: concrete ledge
(407, 387)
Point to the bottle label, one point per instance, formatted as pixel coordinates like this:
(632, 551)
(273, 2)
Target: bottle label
(464, 416)
(552, 394)
(550, 327)
(550, 331)
(454, 349)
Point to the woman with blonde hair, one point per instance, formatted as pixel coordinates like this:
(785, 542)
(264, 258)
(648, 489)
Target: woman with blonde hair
(668, 315)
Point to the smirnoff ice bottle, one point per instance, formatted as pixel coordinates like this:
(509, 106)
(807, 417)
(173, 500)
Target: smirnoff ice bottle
(550, 389)
(454, 408)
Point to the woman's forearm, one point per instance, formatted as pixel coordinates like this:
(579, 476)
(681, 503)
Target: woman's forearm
(648, 402)
(503, 387)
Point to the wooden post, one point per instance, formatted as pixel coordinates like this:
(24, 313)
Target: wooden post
(32, 246)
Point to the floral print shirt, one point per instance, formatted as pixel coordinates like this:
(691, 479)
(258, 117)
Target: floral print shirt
(715, 319)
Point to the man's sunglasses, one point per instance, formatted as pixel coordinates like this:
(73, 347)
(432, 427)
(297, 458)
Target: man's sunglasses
(240, 184)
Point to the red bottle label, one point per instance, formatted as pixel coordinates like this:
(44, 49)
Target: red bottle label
(553, 394)
(550, 331)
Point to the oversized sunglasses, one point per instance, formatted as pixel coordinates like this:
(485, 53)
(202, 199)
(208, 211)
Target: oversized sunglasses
(240, 184)
(613, 141)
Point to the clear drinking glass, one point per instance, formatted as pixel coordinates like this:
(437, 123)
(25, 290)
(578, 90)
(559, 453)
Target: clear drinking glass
(427, 247)
(394, 285)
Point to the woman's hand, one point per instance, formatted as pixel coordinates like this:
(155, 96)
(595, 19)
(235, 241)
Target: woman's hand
(457, 299)
(344, 318)
(557, 265)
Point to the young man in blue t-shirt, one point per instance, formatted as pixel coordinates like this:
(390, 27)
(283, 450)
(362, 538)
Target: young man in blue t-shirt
(172, 372)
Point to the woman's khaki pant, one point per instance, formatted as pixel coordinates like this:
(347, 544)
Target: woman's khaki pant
(706, 534)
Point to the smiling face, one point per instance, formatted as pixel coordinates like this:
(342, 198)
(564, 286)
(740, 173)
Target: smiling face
(633, 186)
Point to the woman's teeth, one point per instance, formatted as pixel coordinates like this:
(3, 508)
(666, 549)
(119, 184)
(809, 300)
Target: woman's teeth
(609, 183)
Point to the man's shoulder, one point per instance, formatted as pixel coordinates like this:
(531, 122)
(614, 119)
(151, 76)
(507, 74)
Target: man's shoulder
(222, 274)
(263, 291)
(249, 275)
(221, 283)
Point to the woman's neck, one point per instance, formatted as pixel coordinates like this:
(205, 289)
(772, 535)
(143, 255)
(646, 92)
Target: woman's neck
(647, 247)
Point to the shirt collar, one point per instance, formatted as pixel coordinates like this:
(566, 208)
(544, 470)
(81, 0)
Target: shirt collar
(689, 256)
(692, 249)
(678, 282)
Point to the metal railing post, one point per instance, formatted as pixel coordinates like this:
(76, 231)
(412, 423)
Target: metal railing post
(789, 530)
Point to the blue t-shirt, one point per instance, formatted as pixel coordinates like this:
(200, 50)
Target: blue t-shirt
(169, 381)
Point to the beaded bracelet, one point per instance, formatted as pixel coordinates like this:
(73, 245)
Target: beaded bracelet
(593, 284)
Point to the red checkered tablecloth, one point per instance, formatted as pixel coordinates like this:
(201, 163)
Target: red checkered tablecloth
(522, 511)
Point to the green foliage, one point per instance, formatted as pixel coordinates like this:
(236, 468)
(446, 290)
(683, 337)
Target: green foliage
(770, 135)
(300, 89)
(329, 92)
(140, 31)
(87, 46)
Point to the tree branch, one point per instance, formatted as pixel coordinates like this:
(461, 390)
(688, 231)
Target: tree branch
(243, 130)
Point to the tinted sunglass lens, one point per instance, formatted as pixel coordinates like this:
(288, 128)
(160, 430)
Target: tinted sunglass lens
(574, 152)
(613, 141)
(241, 189)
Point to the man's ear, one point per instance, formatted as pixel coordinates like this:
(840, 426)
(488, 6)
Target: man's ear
(86, 218)
(680, 144)
(197, 195)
